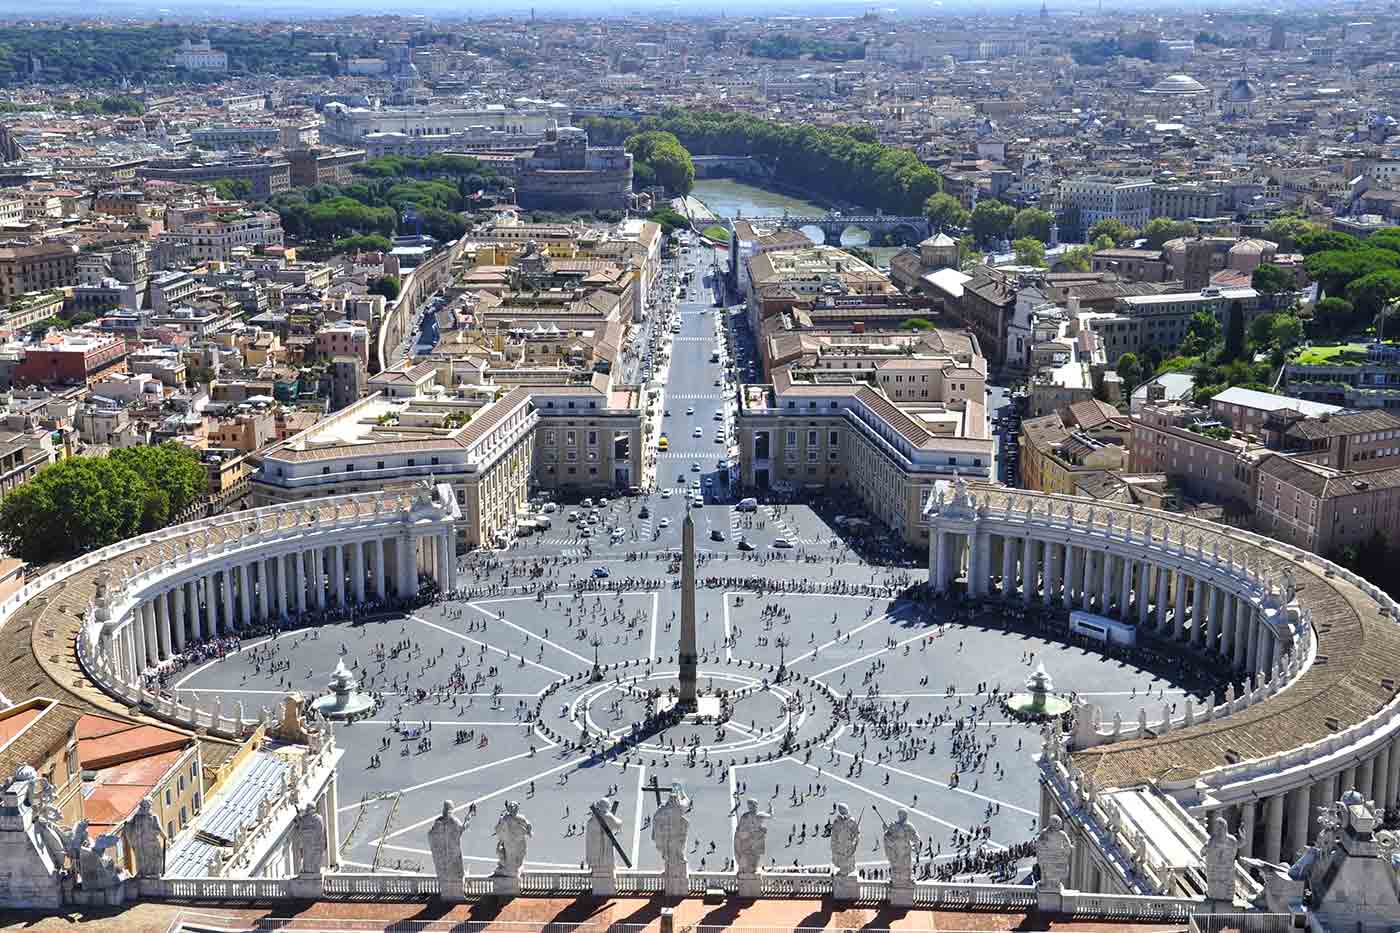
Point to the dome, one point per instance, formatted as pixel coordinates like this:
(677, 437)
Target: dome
(1241, 90)
(1178, 84)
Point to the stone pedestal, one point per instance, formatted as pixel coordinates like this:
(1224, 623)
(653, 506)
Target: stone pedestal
(307, 887)
(505, 886)
(454, 891)
(676, 884)
(902, 894)
(749, 885)
(604, 883)
(845, 887)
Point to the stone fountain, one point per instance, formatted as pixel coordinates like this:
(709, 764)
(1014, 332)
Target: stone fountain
(1039, 700)
(344, 701)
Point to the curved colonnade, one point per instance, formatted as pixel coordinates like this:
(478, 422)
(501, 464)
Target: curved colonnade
(133, 605)
(1310, 710)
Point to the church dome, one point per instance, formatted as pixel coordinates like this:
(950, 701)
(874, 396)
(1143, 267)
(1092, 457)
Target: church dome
(1178, 84)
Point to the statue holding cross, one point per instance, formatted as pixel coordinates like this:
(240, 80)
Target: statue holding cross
(601, 846)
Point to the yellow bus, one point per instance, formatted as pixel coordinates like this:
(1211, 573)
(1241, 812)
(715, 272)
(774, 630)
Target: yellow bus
(663, 444)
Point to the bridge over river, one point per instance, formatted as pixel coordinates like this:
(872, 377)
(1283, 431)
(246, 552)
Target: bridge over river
(834, 224)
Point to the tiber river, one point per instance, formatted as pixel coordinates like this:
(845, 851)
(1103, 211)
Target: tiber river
(729, 198)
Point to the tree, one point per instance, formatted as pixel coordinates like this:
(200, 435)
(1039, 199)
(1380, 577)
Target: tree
(1114, 229)
(1029, 251)
(233, 189)
(664, 158)
(1269, 279)
(173, 476)
(1032, 222)
(1372, 292)
(1286, 331)
(1130, 371)
(1202, 334)
(1077, 258)
(1289, 231)
(1234, 332)
(1333, 315)
(991, 219)
(386, 285)
(1336, 269)
(71, 507)
(1320, 240)
(1161, 229)
(944, 211)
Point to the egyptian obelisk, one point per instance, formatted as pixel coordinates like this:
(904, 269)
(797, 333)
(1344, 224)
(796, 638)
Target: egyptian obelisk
(687, 655)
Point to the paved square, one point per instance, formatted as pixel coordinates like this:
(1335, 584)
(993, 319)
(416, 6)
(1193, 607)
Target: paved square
(881, 704)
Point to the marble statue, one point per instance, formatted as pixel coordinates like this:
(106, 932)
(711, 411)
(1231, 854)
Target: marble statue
(845, 840)
(751, 838)
(598, 846)
(512, 839)
(96, 862)
(1221, 850)
(310, 843)
(145, 837)
(1053, 851)
(445, 844)
(670, 827)
(901, 842)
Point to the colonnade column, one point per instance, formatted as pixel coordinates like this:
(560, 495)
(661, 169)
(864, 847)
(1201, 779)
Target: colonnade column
(177, 623)
(408, 567)
(1246, 830)
(1241, 638)
(245, 594)
(192, 608)
(227, 574)
(299, 558)
(357, 571)
(1085, 579)
(1273, 828)
(1164, 582)
(1179, 605)
(148, 625)
(1200, 596)
(1008, 568)
(137, 634)
(1125, 588)
(338, 573)
(1299, 800)
(1392, 781)
(1380, 778)
(1322, 794)
(163, 633)
(1029, 569)
(381, 578)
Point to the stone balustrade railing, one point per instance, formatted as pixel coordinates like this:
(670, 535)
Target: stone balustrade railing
(574, 883)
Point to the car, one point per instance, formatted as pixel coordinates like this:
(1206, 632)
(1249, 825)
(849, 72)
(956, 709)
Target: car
(747, 505)
(584, 531)
(722, 464)
(690, 411)
(644, 513)
(698, 432)
(695, 468)
(719, 437)
(698, 502)
(666, 413)
(664, 523)
(719, 416)
(716, 534)
(573, 516)
(666, 493)
(744, 544)
(781, 542)
(587, 503)
(600, 573)
(550, 508)
(719, 382)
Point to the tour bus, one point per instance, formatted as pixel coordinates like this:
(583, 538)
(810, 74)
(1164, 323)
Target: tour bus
(1102, 628)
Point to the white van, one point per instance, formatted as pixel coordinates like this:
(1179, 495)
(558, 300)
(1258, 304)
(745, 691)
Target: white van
(747, 505)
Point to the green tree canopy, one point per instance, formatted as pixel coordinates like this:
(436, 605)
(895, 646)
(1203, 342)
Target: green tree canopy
(1372, 292)
(661, 156)
(1114, 229)
(1269, 279)
(1335, 269)
(83, 503)
(1032, 222)
(386, 285)
(1130, 371)
(1077, 258)
(992, 219)
(945, 211)
(1159, 230)
(1029, 251)
(1201, 334)
(1289, 232)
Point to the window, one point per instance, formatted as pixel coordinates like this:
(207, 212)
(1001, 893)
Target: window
(169, 796)
(791, 439)
(811, 438)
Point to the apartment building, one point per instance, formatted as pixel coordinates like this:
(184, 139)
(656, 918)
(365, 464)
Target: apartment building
(481, 444)
(1098, 198)
(840, 433)
(1323, 509)
(1200, 454)
(589, 437)
(33, 267)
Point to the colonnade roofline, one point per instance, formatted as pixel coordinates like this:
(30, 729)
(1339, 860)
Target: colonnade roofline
(1343, 692)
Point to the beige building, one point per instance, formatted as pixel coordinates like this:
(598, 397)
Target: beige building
(1322, 509)
(479, 439)
(36, 267)
(589, 437)
(1058, 459)
(839, 432)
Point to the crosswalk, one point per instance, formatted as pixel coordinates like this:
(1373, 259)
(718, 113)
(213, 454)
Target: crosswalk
(696, 395)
